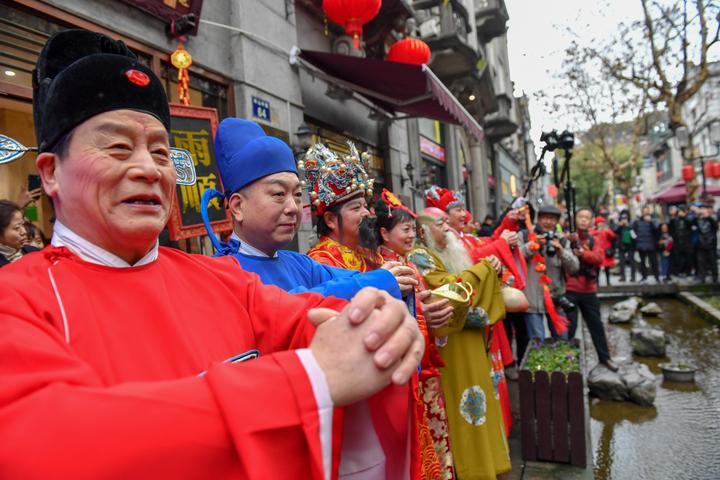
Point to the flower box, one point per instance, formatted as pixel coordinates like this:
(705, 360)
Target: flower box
(552, 405)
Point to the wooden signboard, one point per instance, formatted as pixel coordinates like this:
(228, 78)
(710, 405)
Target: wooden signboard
(193, 128)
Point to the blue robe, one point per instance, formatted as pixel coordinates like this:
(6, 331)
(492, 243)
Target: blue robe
(295, 272)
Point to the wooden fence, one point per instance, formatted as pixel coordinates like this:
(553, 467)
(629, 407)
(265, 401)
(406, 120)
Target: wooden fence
(552, 417)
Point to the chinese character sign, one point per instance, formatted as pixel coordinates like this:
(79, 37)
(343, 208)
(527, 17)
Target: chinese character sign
(195, 134)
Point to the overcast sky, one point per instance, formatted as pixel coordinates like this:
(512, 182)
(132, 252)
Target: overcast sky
(537, 38)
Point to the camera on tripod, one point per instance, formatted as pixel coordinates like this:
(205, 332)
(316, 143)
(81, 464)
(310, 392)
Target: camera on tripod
(554, 140)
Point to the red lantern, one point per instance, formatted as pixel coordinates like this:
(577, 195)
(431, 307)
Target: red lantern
(715, 172)
(707, 169)
(352, 14)
(409, 50)
(688, 172)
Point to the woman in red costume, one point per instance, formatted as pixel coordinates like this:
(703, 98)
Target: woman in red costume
(396, 233)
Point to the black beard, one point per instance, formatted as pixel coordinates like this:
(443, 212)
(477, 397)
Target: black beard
(368, 233)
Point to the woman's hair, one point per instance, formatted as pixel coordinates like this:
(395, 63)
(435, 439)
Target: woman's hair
(33, 231)
(388, 217)
(7, 211)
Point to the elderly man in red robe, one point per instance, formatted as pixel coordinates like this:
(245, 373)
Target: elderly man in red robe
(124, 360)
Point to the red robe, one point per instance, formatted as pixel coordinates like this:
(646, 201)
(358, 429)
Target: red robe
(100, 370)
(333, 253)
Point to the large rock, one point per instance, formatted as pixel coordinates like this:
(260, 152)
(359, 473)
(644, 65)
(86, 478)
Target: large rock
(606, 384)
(633, 382)
(651, 309)
(621, 316)
(625, 311)
(648, 342)
(640, 382)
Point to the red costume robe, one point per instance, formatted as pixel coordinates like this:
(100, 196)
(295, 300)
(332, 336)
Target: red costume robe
(424, 460)
(124, 373)
(430, 401)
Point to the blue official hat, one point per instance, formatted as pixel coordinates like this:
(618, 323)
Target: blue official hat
(245, 154)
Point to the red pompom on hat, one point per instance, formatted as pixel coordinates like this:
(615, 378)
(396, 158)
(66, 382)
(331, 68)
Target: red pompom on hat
(443, 198)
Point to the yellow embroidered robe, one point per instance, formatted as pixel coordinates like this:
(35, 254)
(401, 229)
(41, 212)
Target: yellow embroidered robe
(477, 434)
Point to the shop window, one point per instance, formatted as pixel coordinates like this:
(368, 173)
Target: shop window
(22, 37)
(203, 92)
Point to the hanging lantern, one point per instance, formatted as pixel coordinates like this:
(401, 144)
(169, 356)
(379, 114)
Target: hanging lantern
(688, 172)
(409, 50)
(715, 172)
(708, 169)
(352, 15)
(181, 59)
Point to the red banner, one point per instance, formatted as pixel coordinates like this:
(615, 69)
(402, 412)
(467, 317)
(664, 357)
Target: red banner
(168, 10)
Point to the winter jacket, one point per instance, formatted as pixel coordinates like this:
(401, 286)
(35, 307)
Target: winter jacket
(647, 236)
(707, 233)
(681, 231)
(591, 257)
(556, 267)
(625, 237)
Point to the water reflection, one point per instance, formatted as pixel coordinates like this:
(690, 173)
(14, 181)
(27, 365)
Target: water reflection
(680, 437)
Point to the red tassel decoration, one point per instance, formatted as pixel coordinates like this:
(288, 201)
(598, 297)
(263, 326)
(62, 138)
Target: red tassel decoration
(559, 322)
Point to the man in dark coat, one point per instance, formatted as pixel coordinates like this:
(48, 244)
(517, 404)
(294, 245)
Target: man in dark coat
(646, 242)
(681, 232)
(707, 244)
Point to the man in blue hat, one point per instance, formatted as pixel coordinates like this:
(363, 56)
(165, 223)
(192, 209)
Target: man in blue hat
(264, 197)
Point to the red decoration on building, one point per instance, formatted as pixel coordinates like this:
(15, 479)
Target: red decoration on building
(409, 50)
(688, 172)
(138, 78)
(715, 171)
(182, 60)
(708, 169)
(352, 14)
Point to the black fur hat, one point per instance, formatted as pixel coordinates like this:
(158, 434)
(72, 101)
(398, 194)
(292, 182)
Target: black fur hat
(80, 74)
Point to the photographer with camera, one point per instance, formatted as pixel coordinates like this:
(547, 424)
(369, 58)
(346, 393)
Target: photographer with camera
(559, 260)
(582, 286)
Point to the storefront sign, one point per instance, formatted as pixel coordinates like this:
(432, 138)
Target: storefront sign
(261, 109)
(193, 128)
(168, 10)
(432, 149)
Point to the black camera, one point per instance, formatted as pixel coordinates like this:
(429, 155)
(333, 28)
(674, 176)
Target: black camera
(564, 303)
(550, 139)
(550, 249)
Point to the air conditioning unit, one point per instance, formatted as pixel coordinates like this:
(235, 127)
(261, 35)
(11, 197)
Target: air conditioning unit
(430, 28)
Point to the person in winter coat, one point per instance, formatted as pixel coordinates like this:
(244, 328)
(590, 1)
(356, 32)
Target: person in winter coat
(582, 287)
(681, 230)
(606, 238)
(666, 247)
(707, 244)
(13, 235)
(646, 244)
(558, 259)
(626, 246)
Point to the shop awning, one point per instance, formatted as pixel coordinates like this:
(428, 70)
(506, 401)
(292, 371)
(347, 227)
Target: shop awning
(678, 193)
(395, 87)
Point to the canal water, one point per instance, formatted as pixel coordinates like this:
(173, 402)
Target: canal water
(678, 438)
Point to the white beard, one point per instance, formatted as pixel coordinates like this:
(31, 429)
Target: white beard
(454, 256)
